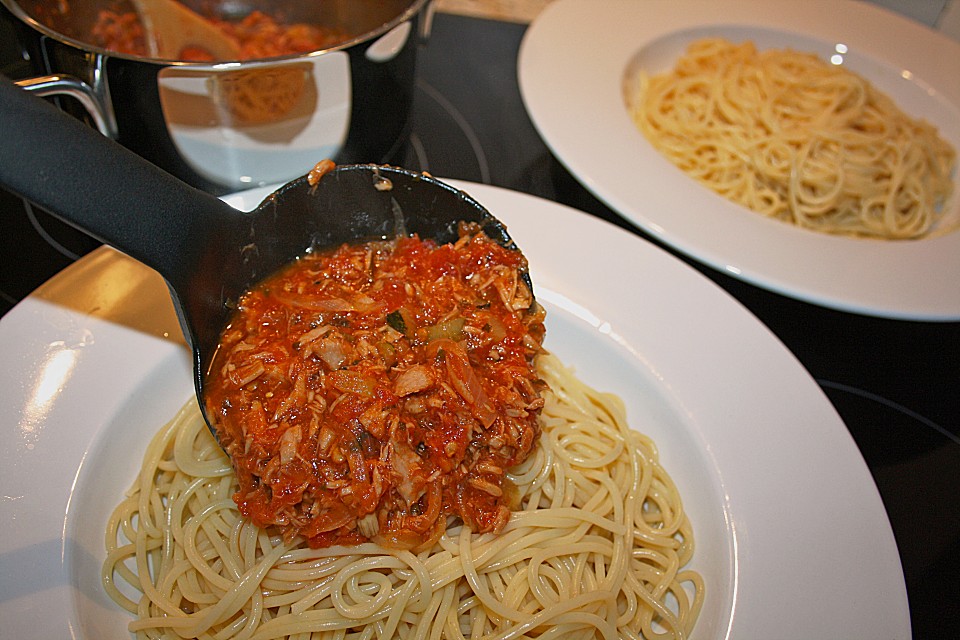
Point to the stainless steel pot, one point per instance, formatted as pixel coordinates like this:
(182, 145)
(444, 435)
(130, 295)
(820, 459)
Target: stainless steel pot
(349, 102)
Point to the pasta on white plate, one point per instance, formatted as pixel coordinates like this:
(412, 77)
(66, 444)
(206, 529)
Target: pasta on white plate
(795, 138)
(600, 548)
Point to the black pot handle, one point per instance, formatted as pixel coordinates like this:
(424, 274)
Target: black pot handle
(93, 183)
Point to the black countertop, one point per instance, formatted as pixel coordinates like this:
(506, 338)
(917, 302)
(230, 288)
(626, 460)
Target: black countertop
(895, 383)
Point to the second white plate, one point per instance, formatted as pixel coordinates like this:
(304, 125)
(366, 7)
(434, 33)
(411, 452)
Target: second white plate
(573, 63)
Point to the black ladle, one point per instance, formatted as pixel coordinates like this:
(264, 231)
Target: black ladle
(208, 252)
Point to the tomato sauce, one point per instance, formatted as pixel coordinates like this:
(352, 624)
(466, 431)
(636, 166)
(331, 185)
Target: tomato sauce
(373, 392)
(258, 35)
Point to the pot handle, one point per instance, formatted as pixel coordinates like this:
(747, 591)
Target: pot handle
(426, 24)
(65, 85)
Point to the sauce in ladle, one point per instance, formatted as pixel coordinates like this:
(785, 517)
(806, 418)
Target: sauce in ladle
(370, 392)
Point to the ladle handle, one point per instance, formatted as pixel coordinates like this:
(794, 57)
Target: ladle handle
(78, 175)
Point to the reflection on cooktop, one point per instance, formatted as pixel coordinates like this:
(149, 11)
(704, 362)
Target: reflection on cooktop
(909, 457)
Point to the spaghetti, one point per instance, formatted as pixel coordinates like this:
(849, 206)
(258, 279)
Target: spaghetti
(797, 139)
(597, 548)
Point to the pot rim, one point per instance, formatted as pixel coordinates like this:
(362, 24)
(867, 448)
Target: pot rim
(414, 7)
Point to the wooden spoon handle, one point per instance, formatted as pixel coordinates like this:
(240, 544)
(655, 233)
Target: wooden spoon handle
(171, 27)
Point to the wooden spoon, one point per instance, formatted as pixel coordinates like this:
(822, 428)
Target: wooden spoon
(171, 27)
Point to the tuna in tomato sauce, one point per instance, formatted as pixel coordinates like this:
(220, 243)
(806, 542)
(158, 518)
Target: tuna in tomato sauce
(373, 392)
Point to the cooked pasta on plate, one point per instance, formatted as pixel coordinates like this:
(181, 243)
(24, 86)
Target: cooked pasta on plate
(597, 548)
(796, 138)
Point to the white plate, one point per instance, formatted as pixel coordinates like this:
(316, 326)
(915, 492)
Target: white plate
(792, 537)
(575, 58)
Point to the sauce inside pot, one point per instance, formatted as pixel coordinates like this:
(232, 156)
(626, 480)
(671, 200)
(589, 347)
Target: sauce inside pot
(261, 31)
(258, 34)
